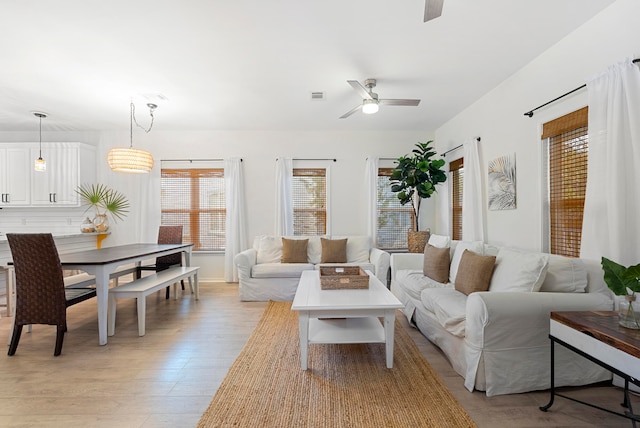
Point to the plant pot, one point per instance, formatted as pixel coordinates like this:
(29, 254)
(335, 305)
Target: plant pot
(417, 240)
(629, 313)
(101, 223)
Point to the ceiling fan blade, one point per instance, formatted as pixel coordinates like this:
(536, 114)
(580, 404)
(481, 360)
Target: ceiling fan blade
(399, 102)
(432, 9)
(360, 89)
(350, 112)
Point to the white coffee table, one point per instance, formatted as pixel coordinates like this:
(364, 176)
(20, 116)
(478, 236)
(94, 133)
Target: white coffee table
(345, 315)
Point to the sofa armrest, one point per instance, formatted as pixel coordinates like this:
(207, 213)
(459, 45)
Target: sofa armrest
(245, 260)
(502, 320)
(380, 261)
(402, 261)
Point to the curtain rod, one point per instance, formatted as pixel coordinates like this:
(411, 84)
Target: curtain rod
(195, 160)
(457, 147)
(311, 159)
(530, 112)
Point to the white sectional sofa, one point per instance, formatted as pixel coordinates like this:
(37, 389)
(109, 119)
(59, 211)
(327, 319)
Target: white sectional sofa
(263, 276)
(497, 340)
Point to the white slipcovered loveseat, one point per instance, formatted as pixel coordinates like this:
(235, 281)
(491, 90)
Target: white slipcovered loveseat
(497, 340)
(263, 276)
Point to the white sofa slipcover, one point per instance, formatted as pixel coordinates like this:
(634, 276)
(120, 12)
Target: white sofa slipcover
(498, 340)
(262, 276)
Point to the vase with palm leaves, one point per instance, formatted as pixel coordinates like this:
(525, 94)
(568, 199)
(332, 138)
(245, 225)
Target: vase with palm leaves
(105, 201)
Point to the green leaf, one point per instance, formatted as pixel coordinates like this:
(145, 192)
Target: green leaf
(618, 277)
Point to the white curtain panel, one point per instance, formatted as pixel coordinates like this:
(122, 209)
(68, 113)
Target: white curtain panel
(472, 207)
(235, 223)
(612, 203)
(371, 197)
(284, 197)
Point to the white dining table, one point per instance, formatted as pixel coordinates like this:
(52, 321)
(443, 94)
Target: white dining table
(104, 261)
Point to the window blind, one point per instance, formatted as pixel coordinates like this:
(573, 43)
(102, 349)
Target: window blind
(194, 198)
(309, 188)
(394, 219)
(568, 154)
(456, 169)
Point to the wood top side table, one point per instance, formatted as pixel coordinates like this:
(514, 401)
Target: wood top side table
(597, 336)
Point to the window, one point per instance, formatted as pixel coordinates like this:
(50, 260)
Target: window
(194, 198)
(309, 190)
(394, 219)
(567, 149)
(456, 170)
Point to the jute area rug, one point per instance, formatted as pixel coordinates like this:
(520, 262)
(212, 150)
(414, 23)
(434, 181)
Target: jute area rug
(345, 386)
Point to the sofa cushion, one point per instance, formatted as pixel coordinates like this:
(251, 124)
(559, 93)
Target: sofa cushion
(414, 281)
(448, 306)
(474, 272)
(519, 270)
(358, 248)
(565, 275)
(279, 270)
(475, 246)
(439, 241)
(294, 250)
(436, 263)
(268, 248)
(333, 250)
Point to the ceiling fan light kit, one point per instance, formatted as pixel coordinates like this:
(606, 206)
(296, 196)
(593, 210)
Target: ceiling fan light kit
(370, 101)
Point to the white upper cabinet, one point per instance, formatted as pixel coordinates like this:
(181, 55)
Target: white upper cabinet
(68, 165)
(15, 176)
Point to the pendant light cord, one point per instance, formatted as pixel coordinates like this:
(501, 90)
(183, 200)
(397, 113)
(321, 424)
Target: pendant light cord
(152, 107)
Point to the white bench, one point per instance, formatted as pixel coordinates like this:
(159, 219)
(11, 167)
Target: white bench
(141, 288)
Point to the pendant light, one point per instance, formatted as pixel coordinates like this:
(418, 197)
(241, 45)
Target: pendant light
(123, 159)
(40, 164)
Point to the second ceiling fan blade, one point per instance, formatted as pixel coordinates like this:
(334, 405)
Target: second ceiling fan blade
(350, 112)
(391, 102)
(432, 9)
(360, 89)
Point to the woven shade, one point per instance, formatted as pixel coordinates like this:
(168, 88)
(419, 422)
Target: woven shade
(123, 159)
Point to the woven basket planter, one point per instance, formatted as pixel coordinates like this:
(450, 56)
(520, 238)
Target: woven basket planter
(417, 240)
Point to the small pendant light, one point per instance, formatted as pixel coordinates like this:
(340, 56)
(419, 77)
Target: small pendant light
(40, 164)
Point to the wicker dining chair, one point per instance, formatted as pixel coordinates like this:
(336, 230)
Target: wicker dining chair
(41, 297)
(166, 235)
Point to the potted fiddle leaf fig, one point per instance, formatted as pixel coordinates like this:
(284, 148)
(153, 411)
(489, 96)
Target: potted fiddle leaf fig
(414, 178)
(105, 201)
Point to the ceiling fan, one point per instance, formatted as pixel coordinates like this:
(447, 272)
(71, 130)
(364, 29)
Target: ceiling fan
(432, 9)
(370, 101)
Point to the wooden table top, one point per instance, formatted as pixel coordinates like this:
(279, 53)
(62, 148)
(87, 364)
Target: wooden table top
(117, 253)
(603, 326)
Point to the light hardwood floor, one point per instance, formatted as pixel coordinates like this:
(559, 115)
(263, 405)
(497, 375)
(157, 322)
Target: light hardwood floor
(168, 377)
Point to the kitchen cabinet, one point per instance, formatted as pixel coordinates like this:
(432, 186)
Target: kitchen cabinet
(68, 165)
(15, 176)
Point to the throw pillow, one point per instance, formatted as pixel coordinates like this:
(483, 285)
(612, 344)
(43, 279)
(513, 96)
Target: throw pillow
(519, 270)
(294, 250)
(334, 250)
(358, 248)
(474, 272)
(269, 250)
(475, 246)
(436, 263)
(565, 275)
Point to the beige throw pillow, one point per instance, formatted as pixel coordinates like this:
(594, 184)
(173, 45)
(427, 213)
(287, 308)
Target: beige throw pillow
(333, 250)
(474, 272)
(436, 263)
(294, 250)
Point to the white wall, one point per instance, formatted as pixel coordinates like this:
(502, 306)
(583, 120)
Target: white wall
(259, 151)
(498, 117)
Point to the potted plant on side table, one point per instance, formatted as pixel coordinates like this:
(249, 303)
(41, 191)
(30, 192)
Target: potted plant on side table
(105, 201)
(624, 281)
(414, 178)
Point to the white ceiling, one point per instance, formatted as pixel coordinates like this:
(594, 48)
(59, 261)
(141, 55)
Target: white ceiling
(252, 65)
